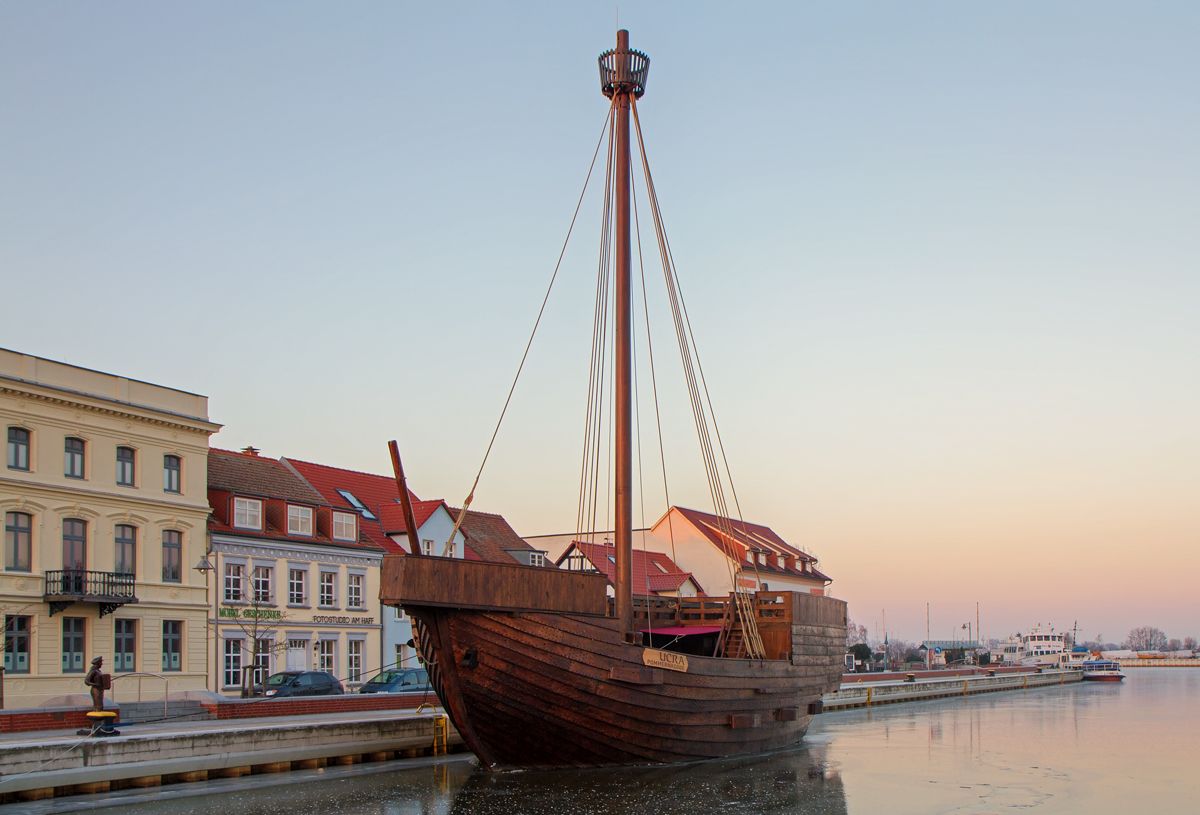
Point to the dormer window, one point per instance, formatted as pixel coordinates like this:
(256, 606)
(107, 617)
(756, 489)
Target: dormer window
(343, 526)
(300, 520)
(247, 513)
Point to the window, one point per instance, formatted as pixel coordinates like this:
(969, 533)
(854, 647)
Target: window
(299, 520)
(125, 466)
(297, 578)
(18, 448)
(343, 526)
(233, 663)
(247, 513)
(172, 556)
(401, 656)
(261, 583)
(354, 655)
(124, 644)
(172, 645)
(538, 559)
(233, 583)
(171, 468)
(16, 644)
(17, 536)
(397, 613)
(125, 549)
(427, 547)
(72, 644)
(354, 586)
(328, 589)
(325, 655)
(357, 504)
(73, 458)
(262, 661)
(74, 558)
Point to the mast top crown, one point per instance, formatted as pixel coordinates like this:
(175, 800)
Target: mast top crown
(623, 70)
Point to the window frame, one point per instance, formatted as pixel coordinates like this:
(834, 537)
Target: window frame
(73, 457)
(173, 474)
(303, 517)
(261, 578)
(81, 538)
(341, 519)
(244, 506)
(298, 588)
(354, 586)
(354, 660)
(321, 585)
(126, 466)
(176, 546)
(232, 662)
(14, 533)
(120, 543)
(234, 583)
(129, 638)
(76, 637)
(20, 447)
(169, 638)
(329, 645)
(14, 636)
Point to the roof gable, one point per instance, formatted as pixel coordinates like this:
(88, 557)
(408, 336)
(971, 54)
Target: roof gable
(249, 474)
(652, 571)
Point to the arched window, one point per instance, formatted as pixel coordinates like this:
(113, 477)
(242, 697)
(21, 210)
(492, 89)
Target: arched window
(18, 528)
(125, 466)
(18, 448)
(73, 458)
(125, 546)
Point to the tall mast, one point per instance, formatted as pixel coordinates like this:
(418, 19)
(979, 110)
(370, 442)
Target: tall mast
(622, 78)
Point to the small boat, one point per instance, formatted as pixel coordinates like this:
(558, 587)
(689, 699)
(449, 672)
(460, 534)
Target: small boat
(539, 667)
(1102, 670)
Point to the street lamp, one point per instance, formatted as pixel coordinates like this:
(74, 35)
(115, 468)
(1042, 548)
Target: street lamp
(204, 567)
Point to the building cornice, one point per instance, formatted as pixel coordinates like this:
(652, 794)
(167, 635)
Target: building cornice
(289, 550)
(122, 410)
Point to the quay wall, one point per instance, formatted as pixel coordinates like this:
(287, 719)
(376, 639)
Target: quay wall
(1160, 663)
(57, 767)
(881, 693)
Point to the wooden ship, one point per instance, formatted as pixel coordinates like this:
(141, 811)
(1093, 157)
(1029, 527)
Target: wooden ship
(540, 668)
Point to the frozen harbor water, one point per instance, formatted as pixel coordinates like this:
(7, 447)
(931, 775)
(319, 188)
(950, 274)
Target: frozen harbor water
(1094, 747)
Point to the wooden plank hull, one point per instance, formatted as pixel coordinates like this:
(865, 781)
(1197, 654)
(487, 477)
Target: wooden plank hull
(529, 689)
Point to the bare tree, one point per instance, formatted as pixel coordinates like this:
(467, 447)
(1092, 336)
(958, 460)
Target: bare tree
(1146, 638)
(1189, 644)
(260, 621)
(1174, 645)
(855, 634)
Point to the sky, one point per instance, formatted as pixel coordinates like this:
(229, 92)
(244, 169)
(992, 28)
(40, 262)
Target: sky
(941, 260)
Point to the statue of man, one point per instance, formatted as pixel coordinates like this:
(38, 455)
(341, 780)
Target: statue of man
(95, 681)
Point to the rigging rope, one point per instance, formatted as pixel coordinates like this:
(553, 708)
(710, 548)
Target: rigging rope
(688, 353)
(471, 495)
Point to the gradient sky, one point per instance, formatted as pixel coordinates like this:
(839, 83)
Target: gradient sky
(941, 259)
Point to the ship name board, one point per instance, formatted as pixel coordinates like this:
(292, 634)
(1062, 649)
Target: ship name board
(665, 659)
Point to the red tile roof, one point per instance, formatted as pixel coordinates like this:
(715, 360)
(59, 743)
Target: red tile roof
(652, 571)
(740, 538)
(488, 535)
(376, 492)
(391, 516)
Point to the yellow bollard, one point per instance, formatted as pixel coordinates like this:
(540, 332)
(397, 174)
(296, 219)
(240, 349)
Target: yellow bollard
(869, 696)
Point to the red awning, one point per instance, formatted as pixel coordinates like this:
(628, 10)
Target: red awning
(683, 630)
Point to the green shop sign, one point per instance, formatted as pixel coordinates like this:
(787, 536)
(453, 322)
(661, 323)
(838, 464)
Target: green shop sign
(251, 613)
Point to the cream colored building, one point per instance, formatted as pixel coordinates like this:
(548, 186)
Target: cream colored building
(104, 499)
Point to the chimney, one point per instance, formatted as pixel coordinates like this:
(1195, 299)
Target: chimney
(250, 451)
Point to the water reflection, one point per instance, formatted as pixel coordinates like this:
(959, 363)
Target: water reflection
(1093, 748)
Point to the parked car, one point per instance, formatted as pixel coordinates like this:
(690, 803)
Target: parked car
(300, 683)
(413, 680)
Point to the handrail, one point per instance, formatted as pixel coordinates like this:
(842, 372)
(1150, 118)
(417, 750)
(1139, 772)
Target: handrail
(80, 582)
(139, 675)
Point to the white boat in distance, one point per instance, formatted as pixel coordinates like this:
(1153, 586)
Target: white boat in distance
(1043, 648)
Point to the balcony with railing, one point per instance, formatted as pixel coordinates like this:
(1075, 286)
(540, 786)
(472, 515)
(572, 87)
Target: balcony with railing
(109, 590)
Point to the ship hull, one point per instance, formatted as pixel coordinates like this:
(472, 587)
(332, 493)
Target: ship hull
(541, 690)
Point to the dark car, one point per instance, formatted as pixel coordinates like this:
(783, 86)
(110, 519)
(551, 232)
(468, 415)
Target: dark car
(300, 683)
(414, 680)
